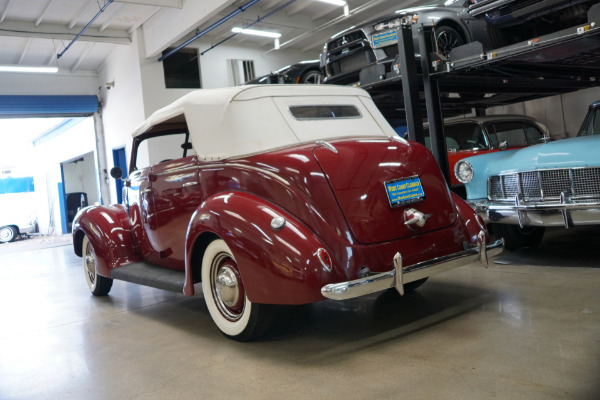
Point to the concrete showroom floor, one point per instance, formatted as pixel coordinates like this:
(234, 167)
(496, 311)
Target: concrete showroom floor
(525, 329)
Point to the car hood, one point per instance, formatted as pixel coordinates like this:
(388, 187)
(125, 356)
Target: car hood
(577, 152)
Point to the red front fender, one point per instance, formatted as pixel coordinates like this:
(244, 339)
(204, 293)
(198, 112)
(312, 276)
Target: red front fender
(278, 266)
(109, 232)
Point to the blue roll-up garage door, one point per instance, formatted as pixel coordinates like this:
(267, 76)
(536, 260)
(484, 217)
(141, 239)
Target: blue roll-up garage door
(47, 106)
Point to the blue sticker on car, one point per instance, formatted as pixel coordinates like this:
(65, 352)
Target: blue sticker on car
(404, 191)
(386, 38)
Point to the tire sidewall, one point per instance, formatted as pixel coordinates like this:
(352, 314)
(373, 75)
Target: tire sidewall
(229, 328)
(84, 244)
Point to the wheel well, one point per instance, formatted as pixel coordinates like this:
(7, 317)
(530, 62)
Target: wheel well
(77, 242)
(456, 26)
(200, 246)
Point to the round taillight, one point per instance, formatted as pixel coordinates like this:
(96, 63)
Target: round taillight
(324, 258)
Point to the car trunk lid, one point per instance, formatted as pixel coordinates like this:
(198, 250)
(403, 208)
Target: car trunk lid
(376, 181)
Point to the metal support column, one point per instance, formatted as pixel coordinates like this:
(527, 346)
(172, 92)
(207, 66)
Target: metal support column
(431, 90)
(101, 163)
(410, 83)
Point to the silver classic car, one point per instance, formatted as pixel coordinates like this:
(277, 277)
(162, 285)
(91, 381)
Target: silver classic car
(552, 184)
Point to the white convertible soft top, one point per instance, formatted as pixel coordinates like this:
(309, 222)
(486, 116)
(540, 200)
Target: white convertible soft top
(243, 120)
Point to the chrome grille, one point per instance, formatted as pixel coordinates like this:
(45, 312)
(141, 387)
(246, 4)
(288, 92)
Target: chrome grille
(581, 182)
(530, 184)
(555, 181)
(586, 182)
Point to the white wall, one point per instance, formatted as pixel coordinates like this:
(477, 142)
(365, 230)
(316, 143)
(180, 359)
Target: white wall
(48, 84)
(562, 114)
(213, 69)
(122, 104)
(80, 176)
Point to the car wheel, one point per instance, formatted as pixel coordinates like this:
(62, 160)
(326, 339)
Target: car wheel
(313, 77)
(236, 317)
(447, 38)
(98, 285)
(516, 237)
(8, 234)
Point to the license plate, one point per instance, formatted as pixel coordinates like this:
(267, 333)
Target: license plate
(404, 191)
(383, 39)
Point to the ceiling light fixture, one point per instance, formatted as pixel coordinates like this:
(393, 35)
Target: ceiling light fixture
(26, 69)
(256, 32)
(340, 3)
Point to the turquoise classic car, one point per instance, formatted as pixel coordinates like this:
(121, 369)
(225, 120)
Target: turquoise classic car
(552, 184)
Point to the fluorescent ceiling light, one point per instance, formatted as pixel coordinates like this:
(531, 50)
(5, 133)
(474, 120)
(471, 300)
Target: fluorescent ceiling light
(340, 3)
(34, 70)
(256, 32)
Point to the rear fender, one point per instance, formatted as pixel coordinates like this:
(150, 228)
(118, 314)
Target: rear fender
(109, 231)
(278, 266)
(473, 224)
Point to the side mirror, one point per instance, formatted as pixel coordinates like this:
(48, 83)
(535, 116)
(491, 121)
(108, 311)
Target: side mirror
(503, 145)
(116, 172)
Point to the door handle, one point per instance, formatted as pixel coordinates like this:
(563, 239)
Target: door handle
(190, 184)
(147, 190)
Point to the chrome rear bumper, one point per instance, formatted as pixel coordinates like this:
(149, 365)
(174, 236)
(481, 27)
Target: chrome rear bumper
(399, 276)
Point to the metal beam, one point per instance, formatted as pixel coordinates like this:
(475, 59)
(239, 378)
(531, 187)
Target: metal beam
(159, 3)
(296, 8)
(104, 7)
(119, 9)
(79, 16)
(61, 32)
(82, 57)
(43, 14)
(3, 16)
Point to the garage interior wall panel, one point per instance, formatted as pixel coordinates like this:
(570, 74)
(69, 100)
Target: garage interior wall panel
(48, 156)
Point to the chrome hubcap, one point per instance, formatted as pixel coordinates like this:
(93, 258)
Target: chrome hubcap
(227, 286)
(90, 264)
(5, 234)
(228, 290)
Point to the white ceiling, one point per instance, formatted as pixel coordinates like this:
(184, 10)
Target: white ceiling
(33, 32)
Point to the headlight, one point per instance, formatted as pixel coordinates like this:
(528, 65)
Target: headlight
(463, 171)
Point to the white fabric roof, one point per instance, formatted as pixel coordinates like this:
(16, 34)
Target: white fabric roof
(243, 120)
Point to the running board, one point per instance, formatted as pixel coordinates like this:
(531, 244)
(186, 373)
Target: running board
(148, 274)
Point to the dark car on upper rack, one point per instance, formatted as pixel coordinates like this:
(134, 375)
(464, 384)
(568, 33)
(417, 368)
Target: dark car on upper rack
(513, 21)
(302, 72)
(346, 53)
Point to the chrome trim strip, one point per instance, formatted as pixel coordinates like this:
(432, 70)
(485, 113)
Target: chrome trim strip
(400, 276)
(177, 170)
(327, 145)
(566, 213)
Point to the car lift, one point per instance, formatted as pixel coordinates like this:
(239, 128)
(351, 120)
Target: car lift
(561, 62)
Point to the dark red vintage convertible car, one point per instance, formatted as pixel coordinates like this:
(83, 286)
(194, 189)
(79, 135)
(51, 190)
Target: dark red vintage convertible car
(276, 194)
